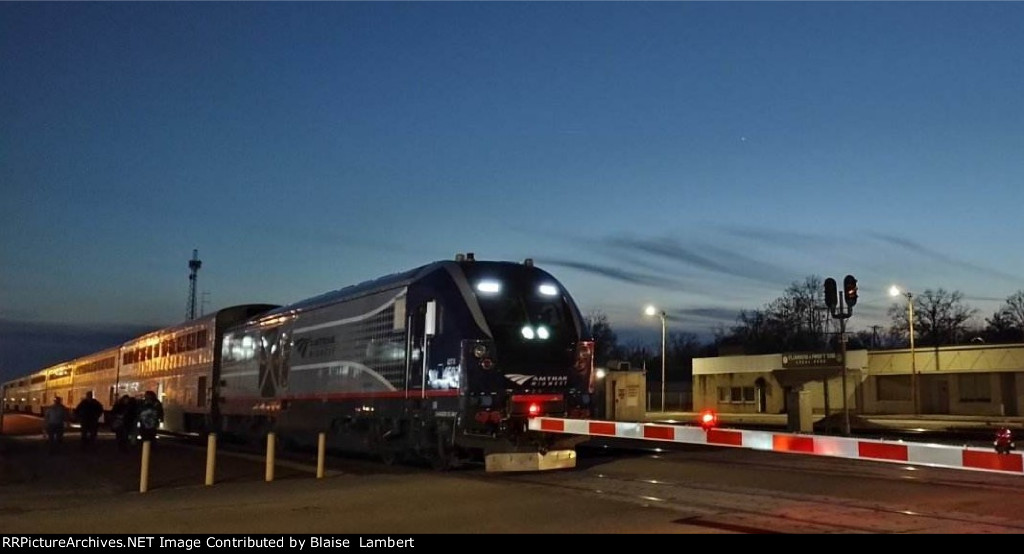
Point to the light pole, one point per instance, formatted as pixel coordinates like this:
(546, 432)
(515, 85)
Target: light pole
(651, 310)
(895, 291)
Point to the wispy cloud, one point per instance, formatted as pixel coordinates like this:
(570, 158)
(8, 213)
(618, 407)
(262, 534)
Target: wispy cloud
(714, 259)
(936, 255)
(615, 273)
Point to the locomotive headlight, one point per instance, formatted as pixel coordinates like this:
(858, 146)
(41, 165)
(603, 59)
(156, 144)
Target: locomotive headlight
(479, 351)
(548, 290)
(489, 286)
(527, 332)
(542, 332)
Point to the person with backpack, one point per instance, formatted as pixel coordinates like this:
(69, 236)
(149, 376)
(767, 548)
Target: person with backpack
(123, 421)
(151, 413)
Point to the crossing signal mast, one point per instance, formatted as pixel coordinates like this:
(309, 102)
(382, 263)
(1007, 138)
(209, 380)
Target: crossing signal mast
(193, 265)
(841, 308)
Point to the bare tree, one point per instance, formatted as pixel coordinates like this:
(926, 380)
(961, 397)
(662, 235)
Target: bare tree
(1007, 324)
(606, 342)
(1014, 309)
(797, 320)
(940, 317)
(682, 349)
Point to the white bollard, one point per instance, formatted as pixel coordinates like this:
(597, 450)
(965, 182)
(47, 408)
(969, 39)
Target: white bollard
(320, 455)
(211, 457)
(270, 457)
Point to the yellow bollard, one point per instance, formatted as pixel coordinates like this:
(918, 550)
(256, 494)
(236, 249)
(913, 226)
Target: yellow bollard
(144, 478)
(211, 457)
(270, 457)
(321, 448)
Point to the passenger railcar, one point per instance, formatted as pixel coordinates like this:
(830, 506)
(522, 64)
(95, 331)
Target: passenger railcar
(59, 379)
(96, 373)
(35, 391)
(445, 362)
(16, 395)
(180, 364)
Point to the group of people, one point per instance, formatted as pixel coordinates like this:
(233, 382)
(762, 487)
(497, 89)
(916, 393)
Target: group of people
(127, 416)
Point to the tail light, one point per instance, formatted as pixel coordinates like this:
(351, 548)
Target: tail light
(532, 405)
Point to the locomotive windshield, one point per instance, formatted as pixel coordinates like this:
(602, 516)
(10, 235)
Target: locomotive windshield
(530, 317)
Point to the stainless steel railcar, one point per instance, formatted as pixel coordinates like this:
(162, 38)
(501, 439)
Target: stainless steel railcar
(16, 395)
(180, 364)
(96, 373)
(36, 392)
(445, 362)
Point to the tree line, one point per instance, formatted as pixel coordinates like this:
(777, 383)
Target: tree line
(799, 321)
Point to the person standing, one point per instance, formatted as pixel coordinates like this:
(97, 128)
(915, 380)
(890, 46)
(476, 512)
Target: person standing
(123, 420)
(54, 421)
(89, 411)
(151, 413)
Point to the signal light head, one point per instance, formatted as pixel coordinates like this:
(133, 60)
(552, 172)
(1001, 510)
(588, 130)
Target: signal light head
(850, 290)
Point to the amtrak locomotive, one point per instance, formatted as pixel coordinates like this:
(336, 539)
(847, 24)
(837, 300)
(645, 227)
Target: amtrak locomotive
(443, 363)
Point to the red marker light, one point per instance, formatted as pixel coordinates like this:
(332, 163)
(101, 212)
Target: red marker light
(708, 419)
(534, 409)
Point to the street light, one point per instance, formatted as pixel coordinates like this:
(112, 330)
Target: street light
(651, 310)
(895, 291)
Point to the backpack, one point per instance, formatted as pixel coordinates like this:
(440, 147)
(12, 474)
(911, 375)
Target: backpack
(148, 418)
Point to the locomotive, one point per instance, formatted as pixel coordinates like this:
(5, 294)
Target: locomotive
(444, 363)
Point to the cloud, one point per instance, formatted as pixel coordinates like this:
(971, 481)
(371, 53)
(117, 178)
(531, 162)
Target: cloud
(709, 258)
(615, 273)
(936, 255)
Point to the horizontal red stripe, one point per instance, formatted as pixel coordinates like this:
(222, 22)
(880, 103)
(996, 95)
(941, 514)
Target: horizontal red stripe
(896, 452)
(659, 433)
(993, 460)
(728, 438)
(792, 443)
(556, 425)
(536, 397)
(349, 395)
(602, 428)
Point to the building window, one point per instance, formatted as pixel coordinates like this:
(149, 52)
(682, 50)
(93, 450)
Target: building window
(975, 388)
(893, 388)
(736, 395)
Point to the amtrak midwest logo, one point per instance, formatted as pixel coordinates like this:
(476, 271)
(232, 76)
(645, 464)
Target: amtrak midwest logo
(538, 380)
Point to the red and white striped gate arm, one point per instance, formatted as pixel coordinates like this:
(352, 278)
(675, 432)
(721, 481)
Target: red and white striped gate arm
(934, 455)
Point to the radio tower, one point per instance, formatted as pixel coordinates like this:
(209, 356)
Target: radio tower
(193, 266)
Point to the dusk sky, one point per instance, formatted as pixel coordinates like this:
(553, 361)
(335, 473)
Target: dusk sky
(701, 156)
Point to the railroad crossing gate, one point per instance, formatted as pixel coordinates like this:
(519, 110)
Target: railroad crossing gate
(923, 454)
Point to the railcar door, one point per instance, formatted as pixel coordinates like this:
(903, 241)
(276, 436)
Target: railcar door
(422, 328)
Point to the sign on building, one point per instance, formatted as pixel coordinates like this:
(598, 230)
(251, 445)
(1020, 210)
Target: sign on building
(824, 360)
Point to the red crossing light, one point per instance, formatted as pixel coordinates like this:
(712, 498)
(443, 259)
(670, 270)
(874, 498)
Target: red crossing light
(707, 419)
